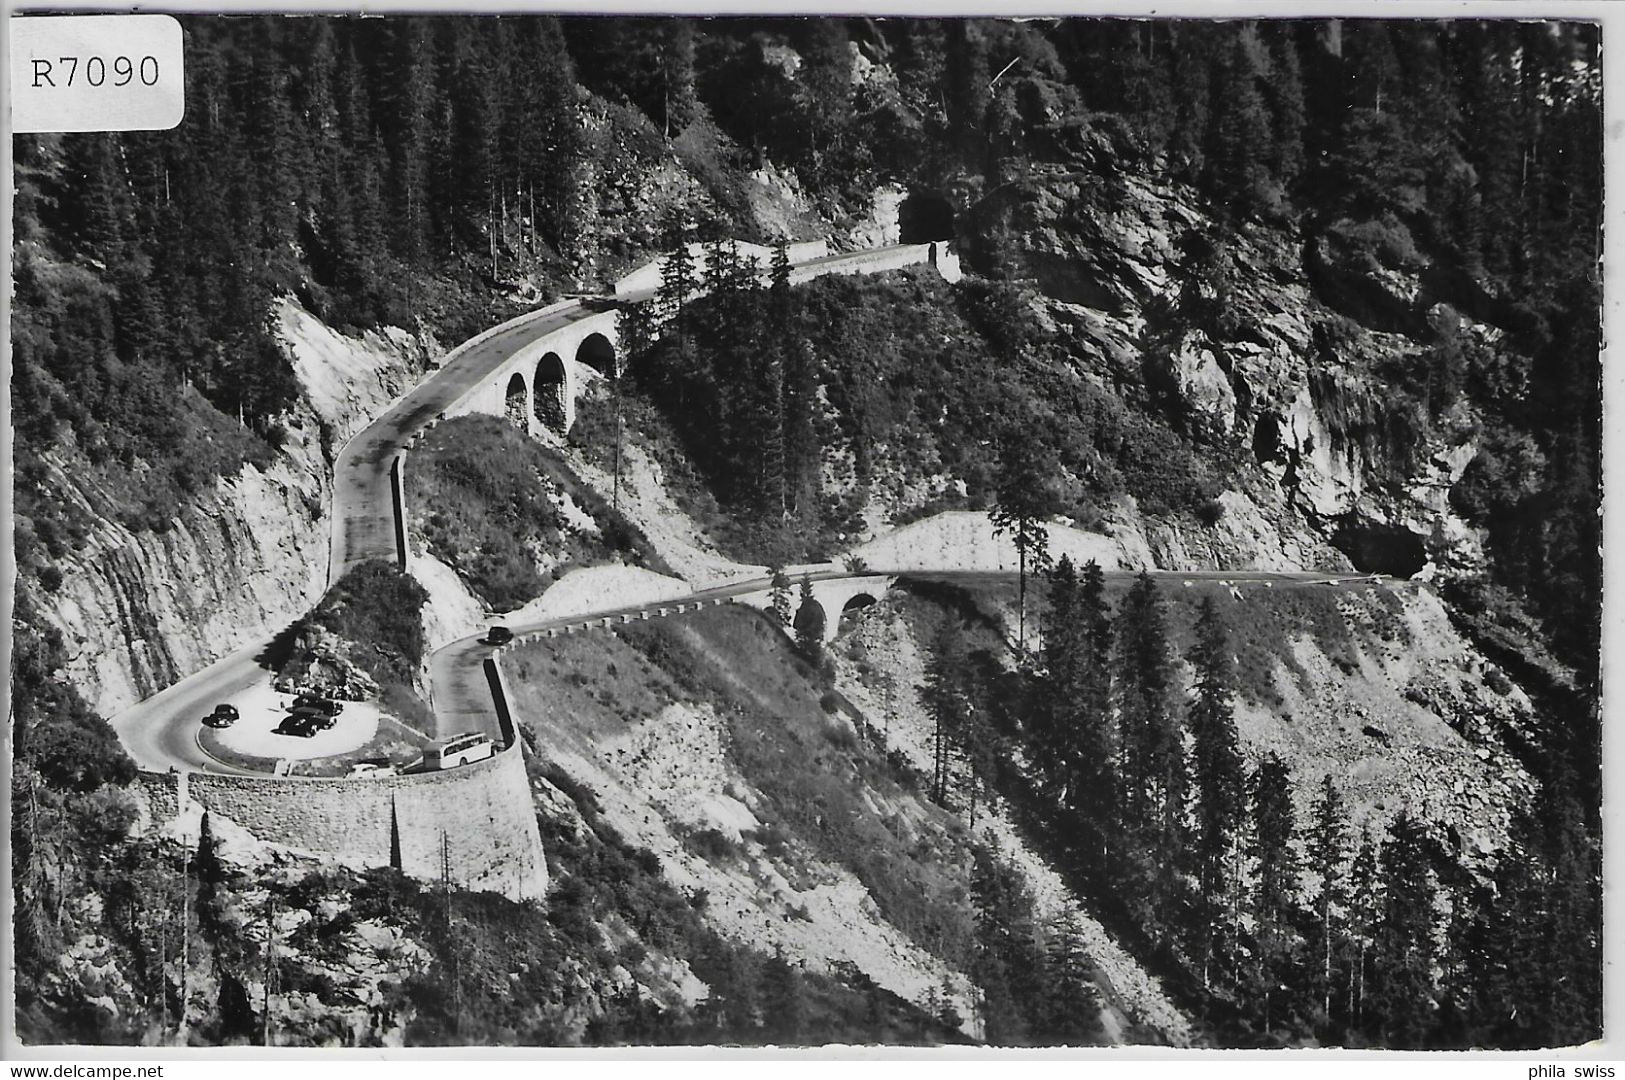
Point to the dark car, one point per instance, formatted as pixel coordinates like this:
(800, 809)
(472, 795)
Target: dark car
(302, 725)
(319, 704)
(223, 716)
(318, 719)
(498, 635)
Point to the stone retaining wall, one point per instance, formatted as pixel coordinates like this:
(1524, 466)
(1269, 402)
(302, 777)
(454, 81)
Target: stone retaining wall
(476, 820)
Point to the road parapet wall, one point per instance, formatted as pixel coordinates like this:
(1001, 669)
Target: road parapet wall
(478, 818)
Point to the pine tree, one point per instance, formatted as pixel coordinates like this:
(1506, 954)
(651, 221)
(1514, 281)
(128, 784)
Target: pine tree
(779, 592)
(826, 79)
(1241, 143)
(720, 276)
(210, 874)
(1286, 106)
(809, 623)
(1147, 96)
(1190, 66)
(1220, 781)
(1153, 771)
(1072, 1006)
(1328, 859)
(677, 282)
(1095, 744)
(946, 701)
(1074, 736)
(1006, 963)
(1401, 992)
(784, 1000)
(1025, 473)
(680, 102)
(408, 90)
(1276, 884)
(782, 301)
(1365, 915)
(1060, 657)
(635, 327)
(803, 485)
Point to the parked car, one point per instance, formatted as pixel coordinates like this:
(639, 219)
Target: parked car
(302, 725)
(318, 719)
(223, 716)
(371, 769)
(317, 703)
(448, 753)
(498, 635)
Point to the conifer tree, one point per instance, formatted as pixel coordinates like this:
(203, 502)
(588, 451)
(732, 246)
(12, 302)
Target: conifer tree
(1023, 481)
(809, 622)
(1146, 93)
(1401, 991)
(781, 302)
(1072, 1005)
(784, 999)
(1276, 883)
(1096, 746)
(1365, 917)
(680, 102)
(1061, 657)
(1241, 143)
(946, 701)
(1006, 963)
(1189, 64)
(1074, 724)
(1286, 106)
(802, 473)
(677, 282)
(1328, 860)
(210, 874)
(635, 327)
(1153, 772)
(779, 591)
(720, 275)
(1220, 781)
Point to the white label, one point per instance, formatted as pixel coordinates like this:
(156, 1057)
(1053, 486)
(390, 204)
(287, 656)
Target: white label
(96, 73)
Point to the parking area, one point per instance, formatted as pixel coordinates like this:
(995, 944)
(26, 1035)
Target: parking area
(261, 709)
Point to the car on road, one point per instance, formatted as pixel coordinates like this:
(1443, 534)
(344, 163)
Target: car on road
(302, 725)
(455, 750)
(222, 717)
(317, 703)
(498, 635)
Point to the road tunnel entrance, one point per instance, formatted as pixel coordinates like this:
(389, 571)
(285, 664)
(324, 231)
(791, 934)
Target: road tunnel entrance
(925, 216)
(549, 392)
(1376, 548)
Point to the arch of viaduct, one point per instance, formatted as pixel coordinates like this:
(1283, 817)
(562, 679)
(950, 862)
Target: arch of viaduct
(538, 386)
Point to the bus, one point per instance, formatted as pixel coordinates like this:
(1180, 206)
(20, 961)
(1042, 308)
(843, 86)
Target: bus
(455, 750)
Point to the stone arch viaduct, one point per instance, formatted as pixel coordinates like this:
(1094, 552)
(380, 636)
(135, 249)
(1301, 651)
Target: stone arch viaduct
(531, 370)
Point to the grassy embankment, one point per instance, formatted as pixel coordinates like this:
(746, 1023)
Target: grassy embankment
(503, 512)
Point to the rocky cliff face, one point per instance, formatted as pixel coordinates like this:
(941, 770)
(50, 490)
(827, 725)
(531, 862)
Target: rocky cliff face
(1306, 359)
(140, 610)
